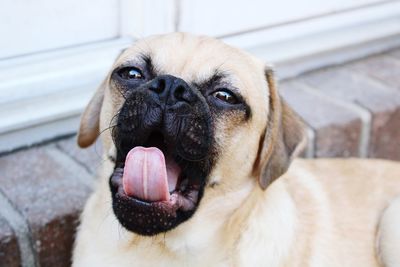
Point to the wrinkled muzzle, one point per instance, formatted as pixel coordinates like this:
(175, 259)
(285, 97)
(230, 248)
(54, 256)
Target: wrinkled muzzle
(163, 136)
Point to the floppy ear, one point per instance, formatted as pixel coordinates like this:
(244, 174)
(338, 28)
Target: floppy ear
(284, 138)
(90, 120)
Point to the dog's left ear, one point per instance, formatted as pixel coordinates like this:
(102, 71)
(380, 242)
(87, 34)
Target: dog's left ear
(89, 128)
(90, 120)
(284, 137)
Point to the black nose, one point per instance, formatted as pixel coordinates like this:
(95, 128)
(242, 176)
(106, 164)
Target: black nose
(172, 90)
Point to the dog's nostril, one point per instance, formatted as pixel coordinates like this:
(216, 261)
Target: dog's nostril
(179, 92)
(158, 86)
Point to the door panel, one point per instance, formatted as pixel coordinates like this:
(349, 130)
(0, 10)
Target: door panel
(34, 26)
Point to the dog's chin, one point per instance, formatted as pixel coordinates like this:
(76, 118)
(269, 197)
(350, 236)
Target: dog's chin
(153, 216)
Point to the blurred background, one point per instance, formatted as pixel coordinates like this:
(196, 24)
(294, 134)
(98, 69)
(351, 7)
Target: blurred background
(337, 62)
(53, 54)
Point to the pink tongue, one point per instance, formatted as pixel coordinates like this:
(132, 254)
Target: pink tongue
(148, 176)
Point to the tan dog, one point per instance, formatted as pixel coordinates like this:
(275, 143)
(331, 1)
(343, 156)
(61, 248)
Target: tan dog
(194, 133)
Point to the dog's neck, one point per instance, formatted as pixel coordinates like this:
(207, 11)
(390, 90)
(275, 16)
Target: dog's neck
(224, 214)
(219, 225)
(214, 219)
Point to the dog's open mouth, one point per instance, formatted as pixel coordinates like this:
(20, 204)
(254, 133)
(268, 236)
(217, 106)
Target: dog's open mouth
(153, 189)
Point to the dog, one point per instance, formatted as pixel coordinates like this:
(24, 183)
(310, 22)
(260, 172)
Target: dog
(195, 137)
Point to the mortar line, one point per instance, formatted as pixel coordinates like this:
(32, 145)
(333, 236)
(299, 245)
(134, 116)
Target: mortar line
(73, 166)
(365, 116)
(310, 150)
(21, 229)
(81, 164)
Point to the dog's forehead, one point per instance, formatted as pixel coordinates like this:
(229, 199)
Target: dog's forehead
(197, 58)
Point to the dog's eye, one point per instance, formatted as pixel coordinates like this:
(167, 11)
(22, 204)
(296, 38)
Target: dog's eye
(226, 96)
(130, 73)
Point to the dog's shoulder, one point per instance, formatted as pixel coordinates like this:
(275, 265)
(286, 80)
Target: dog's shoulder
(331, 197)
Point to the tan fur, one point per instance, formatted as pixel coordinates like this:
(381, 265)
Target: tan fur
(89, 128)
(319, 213)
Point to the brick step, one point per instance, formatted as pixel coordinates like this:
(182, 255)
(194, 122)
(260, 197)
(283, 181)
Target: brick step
(353, 110)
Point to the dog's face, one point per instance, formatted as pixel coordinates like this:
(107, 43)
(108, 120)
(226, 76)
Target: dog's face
(187, 117)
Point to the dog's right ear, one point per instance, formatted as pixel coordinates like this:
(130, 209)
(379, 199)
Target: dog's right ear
(284, 137)
(90, 120)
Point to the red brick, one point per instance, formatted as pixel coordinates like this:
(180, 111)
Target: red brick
(49, 192)
(9, 251)
(337, 128)
(381, 101)
(384, 68)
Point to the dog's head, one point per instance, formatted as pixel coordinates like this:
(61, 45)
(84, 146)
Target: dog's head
(186, 115)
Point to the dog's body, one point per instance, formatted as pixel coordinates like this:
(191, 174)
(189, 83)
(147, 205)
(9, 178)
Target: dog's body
(319, 213)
